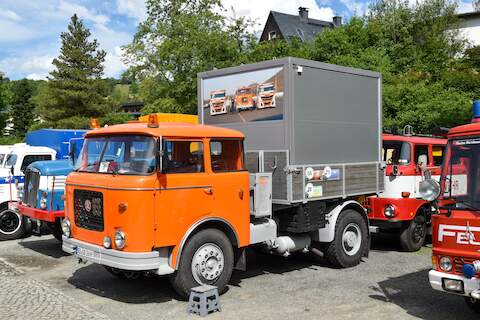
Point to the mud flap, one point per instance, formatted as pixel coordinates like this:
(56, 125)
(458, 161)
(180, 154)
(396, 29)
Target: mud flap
(240, 259)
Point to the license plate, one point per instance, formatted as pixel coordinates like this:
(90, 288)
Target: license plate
(12, 206)
(86, 253)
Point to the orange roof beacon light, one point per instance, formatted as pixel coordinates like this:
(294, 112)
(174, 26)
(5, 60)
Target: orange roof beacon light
(152, 121)
(94, 123)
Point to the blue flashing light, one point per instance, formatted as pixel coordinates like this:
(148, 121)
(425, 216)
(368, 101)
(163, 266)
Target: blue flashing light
(476, 109)
(469, 270)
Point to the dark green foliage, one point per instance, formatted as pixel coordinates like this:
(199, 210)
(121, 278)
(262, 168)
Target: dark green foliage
(5, 97)
(21, 105)
(75, 88)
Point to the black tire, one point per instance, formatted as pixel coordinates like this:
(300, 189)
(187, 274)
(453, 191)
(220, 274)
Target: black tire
(183, 280)
(473, 304)
(412, 236)
(336, 251)
(11, 224)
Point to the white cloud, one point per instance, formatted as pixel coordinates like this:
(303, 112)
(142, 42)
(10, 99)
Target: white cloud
(99, 20)
(132, 8)
(356, 7)
(113, 63)
(258, 9)
(9, 14)
(11, 31)
(37, 67)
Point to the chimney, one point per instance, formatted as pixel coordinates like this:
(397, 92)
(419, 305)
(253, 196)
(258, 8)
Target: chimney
(303, 14)
(337, 21)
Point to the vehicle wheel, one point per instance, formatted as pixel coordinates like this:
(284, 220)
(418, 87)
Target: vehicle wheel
(473, 304)
(350, 240)
(207, 258)
(413, 235)
(11, 225)
(56, 229)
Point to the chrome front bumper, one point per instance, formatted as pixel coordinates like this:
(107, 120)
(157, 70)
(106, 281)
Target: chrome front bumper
(469, 285)
(155, 261)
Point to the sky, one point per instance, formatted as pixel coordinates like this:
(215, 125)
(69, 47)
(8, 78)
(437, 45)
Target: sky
(30, 29)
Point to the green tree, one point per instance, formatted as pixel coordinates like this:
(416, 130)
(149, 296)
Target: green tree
(21, 105)
(75, 88)
(4, 101)
(178, 39)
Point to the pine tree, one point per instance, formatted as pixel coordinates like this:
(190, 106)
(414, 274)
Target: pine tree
(75, 88)
(21, 105)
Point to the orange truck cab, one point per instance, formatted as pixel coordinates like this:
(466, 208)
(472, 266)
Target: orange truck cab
(400, 209)
(244, 99)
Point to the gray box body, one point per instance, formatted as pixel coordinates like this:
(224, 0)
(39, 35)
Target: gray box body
(327, 119)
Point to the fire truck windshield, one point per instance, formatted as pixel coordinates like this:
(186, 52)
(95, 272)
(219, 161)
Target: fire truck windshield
(396, 152)
(461, 173)
(129, 155)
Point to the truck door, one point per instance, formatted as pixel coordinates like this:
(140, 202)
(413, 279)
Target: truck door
(185, 193)
(230, 182)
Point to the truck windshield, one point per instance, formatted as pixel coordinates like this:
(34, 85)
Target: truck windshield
(11, 160)
(128, 155)
(267, 89)
(218, 95)
(396, 152)
(2, 158)
(244, 91)
(460, 178)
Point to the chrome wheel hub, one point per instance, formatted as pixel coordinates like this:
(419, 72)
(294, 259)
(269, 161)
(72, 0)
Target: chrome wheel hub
(351, 239)
(207, 263)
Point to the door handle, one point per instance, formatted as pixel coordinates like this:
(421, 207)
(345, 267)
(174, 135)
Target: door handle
(208, 190)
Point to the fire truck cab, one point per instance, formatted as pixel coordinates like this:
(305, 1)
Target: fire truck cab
(456, 224)
(399, 208)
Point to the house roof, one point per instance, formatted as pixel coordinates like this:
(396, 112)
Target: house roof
(291, 25)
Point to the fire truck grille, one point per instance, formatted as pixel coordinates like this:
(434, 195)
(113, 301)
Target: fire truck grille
(88, 209)
(32, 180)
(459, 262)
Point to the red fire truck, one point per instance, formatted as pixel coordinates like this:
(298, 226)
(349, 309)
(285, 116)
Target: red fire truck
(400, 209)
(456, 225)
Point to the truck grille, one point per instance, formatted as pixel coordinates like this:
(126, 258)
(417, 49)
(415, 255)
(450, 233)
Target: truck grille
(459, 262)
(88, 209)
(32, 180)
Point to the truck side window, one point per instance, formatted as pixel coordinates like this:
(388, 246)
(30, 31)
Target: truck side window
(421, 150)
(226, 155)
(27, 160)
(182, 156)
(437, 153)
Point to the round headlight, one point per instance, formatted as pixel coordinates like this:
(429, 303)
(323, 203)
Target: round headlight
(445, 264)
(119, 239)
(43, 203)
(389, 211)
(107, 243)
(429, 189)
(66, 228)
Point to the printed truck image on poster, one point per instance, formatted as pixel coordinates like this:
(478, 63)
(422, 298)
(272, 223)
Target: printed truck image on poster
(249, 96)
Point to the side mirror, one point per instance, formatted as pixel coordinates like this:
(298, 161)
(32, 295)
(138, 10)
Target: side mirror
(429, 189)
(422, 162)
(73, 152)
(12, 171)
(159, 155)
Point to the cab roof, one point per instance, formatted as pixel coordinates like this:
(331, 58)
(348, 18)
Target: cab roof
(466, 129)
(168, 129)
(414, 139)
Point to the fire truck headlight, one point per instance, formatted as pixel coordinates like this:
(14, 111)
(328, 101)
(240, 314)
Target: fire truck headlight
(43, 203)
(119, 239)
(445, 264)
(66, 228)
(107, 242)
(452, 285)
(389, 211)
(429, 189)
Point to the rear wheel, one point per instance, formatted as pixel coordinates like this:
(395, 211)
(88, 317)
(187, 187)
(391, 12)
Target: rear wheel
(473, 304)
(207, 258)
(412, 236)
(349, 244)
(11, 224)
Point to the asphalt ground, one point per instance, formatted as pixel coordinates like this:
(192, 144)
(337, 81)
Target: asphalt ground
(38, 281)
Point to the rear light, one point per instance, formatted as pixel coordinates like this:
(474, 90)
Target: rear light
(405, 194)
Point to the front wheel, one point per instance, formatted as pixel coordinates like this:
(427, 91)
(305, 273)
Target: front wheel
(207, 258)
(347, 248)
(412, 236)
(11, 225)
(473, 304)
